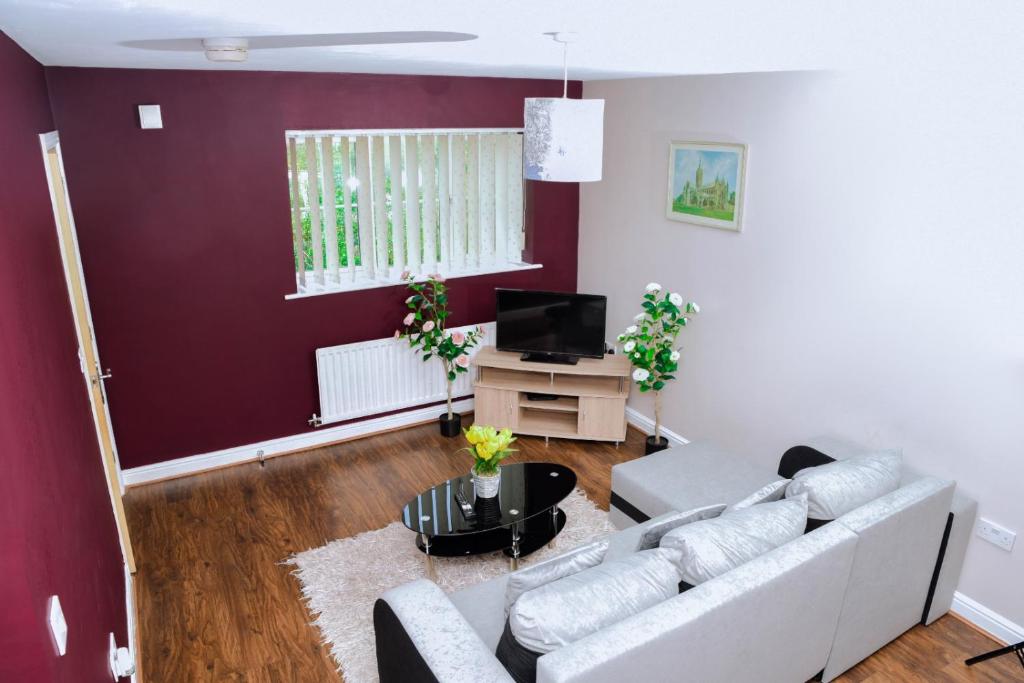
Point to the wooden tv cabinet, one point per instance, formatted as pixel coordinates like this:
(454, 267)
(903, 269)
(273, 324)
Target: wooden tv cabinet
(591, 401)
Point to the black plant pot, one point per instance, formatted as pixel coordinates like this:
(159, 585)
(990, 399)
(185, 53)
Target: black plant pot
(452, 427)
(653, 446)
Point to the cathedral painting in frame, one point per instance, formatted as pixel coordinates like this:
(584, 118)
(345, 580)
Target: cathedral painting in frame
(706, 183)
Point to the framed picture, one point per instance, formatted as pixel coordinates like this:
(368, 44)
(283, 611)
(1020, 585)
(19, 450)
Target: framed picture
(705, 183)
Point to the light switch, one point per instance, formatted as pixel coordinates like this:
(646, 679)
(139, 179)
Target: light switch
(149, 116)
(58, 627)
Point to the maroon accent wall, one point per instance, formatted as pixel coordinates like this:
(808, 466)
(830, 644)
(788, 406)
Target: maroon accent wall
(186, 239)
(58, 533)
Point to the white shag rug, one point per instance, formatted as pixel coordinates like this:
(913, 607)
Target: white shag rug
(341, 580)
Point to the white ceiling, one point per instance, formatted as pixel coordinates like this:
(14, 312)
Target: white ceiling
(617, 38)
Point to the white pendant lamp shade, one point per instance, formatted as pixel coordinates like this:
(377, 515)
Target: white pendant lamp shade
(563, 139)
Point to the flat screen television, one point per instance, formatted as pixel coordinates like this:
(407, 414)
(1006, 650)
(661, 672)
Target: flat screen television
(550, 326)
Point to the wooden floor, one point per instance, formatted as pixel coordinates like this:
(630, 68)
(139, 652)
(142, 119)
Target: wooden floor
(215, 604)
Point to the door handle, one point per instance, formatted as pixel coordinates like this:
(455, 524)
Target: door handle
(99, 377)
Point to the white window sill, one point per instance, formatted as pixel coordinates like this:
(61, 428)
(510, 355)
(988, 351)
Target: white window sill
(344, 283)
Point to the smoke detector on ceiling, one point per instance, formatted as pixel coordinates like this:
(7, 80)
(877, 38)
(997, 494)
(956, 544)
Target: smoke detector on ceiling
(226, 49)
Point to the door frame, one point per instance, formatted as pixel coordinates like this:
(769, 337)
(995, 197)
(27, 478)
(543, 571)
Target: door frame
(50, 144)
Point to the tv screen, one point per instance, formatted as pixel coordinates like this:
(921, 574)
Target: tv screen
(551, 324)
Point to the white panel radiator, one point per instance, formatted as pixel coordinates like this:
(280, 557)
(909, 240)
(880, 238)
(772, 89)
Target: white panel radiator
(367, 378)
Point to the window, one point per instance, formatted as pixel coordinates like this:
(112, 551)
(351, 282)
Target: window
(368, 205)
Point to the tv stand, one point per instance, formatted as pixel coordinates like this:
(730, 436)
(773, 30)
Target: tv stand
(549, 358)
(589, 397)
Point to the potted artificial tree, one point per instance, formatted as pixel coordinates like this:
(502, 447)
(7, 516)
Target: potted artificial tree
(427, 333)
(650, 345)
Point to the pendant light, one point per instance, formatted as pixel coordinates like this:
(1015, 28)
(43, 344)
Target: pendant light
(563, 138)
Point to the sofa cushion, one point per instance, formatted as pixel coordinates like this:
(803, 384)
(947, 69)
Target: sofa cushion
(710, 548)
(682, 478)
(769, 493)
(558, 613)
(839, 487)
(652, 534)
(572, 562)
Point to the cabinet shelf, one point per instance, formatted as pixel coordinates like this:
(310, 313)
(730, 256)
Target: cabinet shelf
(548, 423)
(562, 404)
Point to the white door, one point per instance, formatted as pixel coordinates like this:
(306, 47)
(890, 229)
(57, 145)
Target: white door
(88, 353)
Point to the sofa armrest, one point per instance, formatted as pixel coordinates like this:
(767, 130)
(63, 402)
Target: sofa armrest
(422, 638)
(963, 513)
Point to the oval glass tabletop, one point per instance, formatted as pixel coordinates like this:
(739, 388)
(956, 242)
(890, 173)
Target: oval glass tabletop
(528, 489)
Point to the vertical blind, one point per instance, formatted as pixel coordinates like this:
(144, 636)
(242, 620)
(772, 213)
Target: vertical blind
(368, 205)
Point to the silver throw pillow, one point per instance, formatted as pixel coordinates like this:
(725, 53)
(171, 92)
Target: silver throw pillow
(653, 533)
(766, 494)
(844, 485)
(572, 562)
(710, 548)
(559, 613)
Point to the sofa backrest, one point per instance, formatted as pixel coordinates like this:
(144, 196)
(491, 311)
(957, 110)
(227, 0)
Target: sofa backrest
(899, 536)
(771, 619)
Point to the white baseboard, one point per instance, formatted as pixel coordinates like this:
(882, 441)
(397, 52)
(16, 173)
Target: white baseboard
(646, 424)
(321, 437)
(995, 624)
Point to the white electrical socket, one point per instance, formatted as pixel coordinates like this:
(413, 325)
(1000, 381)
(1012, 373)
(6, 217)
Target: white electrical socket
(996, 535)
(58, 626)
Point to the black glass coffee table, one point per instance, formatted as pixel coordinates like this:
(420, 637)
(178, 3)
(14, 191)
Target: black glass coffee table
(522, 518)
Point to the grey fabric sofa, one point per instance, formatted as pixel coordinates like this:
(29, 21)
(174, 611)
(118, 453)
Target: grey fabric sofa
(910, 550)
(813, 607)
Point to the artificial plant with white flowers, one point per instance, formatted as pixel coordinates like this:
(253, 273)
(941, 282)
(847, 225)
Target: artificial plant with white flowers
(426, 328)
(650, 343)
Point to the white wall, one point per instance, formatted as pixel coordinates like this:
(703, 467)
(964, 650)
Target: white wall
(877, 288)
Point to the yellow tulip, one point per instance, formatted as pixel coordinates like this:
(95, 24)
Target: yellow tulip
(474, 435)
(505, 438)
(486, 442)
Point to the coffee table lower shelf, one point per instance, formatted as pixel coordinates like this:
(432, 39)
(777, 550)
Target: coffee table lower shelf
(534, 533)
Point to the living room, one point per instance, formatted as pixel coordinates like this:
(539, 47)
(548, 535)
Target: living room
(748, 248)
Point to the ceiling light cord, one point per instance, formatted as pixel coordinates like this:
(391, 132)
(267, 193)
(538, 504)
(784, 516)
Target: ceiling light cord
(565, 70)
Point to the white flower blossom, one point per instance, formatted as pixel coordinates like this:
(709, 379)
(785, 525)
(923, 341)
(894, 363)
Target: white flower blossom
(640, 374)
(653, 287)
(676, 299)
(674, 356)
(639, 316)
(631, 329)
(693, 308)
(629, 346)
